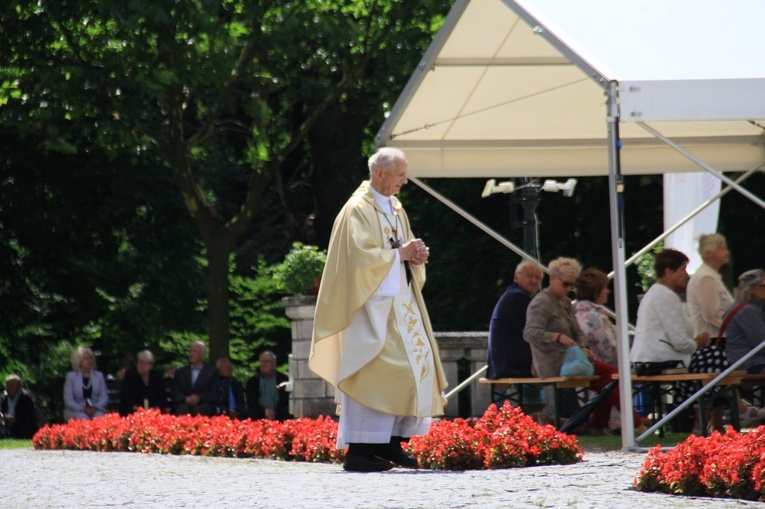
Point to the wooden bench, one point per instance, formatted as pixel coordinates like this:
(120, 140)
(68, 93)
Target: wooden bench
(663, 384)
(580, 384)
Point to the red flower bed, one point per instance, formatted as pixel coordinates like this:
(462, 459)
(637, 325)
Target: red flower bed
(502, 438)
(152, 431)
(730, 465)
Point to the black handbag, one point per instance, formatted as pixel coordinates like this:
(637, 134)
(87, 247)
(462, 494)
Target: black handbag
(711, 358)
(654, 368)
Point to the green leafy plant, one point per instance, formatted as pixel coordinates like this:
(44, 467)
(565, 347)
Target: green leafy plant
(298, 274)
(645, 268)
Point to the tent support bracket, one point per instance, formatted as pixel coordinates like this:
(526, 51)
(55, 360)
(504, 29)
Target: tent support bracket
(456, 208)
(702, 164)
(687, 218)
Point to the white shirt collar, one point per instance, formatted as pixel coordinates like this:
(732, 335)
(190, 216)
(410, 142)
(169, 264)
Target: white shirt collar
(385, 202)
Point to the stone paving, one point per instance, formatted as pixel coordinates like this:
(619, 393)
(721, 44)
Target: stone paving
(68, 479)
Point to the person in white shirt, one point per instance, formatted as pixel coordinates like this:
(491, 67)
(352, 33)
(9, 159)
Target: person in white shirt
(663, 331)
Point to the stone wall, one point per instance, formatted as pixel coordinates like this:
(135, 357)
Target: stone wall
(312, 396)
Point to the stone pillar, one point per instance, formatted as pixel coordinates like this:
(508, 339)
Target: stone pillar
(471, 346)
(311, 396)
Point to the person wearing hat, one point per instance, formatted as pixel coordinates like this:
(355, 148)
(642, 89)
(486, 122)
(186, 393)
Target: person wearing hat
(746, 325)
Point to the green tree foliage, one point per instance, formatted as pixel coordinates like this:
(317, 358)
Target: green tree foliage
(258, 322)
(222, 95)
(118, 118)
(96, 252)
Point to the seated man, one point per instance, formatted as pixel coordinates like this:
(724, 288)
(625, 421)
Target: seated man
(18, 409)
(265, 399)
(509, 355)
(196, 385)
(232, 391)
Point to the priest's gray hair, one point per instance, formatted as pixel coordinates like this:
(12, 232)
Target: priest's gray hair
(386, 158)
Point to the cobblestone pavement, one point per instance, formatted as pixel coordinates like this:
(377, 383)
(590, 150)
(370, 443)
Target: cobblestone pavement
(64, 479)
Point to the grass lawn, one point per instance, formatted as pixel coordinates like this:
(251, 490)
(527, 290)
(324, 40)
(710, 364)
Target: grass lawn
(614, 443)
(12, 443)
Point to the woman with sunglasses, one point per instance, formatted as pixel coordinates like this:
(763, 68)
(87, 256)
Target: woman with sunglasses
(552, 328)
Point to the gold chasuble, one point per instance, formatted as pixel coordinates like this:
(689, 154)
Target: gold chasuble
(378, 350)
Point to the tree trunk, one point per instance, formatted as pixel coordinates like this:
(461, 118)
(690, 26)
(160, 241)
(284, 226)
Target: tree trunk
(336, 142)
(217, 291)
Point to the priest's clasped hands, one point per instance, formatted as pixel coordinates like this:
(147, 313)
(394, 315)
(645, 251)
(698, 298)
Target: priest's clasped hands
(415, 252)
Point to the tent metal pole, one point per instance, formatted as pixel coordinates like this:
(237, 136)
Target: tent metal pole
(687, 218)
(466, 382)
(702, 164)
(616, 194)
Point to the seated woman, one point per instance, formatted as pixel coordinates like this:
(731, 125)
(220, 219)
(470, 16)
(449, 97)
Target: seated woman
(551, 328)
(85, 394)
(663, 331)
(591, 294)
(142, 386)
(746, 324)
(706, 294)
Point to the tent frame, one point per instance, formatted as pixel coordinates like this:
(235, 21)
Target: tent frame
(616, 181)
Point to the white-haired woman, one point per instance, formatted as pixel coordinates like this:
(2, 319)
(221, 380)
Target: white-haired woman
(707, 296)
(85, 394)
(708, 301)
(551, 328)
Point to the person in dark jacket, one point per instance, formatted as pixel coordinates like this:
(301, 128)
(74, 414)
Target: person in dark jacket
(266, 398)
(746, 325)
(232, 390)
(18, 409)
(509, 355)
(142, 386)
(196, 386)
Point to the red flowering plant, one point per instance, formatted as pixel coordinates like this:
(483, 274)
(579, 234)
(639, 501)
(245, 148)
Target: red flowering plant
(153, 432)
(730, 465)
(502, 438)
(449, 445)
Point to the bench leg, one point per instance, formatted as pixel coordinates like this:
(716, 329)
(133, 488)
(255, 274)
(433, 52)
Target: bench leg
(734, 420)
(556, 410)
(730, 394)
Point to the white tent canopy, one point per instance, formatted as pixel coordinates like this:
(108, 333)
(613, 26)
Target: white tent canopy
(538, 88)
(516, 88)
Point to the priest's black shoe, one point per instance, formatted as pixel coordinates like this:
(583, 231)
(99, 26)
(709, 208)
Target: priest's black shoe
(400, 458)
(355, 462)
(395, 453)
